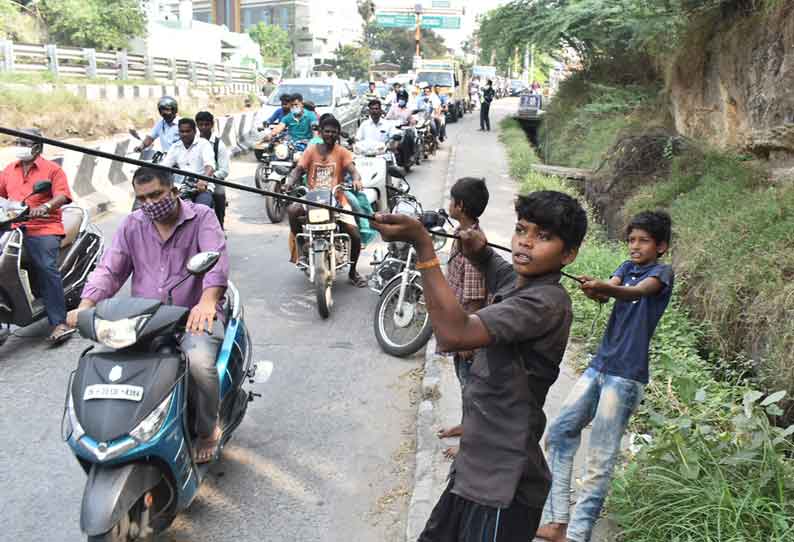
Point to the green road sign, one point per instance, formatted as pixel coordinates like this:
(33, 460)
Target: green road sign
(395, 20)
(442, 22)
(441, 3)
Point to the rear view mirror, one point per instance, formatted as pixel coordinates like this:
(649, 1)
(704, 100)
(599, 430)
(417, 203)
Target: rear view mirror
(202, 262)
(42, 187)
(134, 133)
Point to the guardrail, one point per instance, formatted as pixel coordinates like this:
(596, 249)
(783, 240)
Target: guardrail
(90, 63)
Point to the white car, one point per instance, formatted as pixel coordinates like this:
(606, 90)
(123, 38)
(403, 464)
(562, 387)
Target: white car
(328, 95)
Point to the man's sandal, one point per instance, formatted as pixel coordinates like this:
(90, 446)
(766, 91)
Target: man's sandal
(60, 334)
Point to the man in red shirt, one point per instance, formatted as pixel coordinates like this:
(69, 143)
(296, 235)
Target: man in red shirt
(44, 230)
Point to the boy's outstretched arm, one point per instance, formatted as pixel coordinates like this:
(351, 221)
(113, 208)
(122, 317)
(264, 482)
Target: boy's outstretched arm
(593, 288)
(455, 330)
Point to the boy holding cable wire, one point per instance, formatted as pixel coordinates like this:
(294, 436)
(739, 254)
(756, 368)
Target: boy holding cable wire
(611, 388)
(499, 479)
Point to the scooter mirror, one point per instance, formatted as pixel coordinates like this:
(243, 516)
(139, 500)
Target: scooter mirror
(134, 133)
(202, 262)
(42, 187)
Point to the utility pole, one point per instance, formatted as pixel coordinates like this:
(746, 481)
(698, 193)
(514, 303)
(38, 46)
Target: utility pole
(418, 35)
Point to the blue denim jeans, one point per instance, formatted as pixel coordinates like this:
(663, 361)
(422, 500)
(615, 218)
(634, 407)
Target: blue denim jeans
(608, 401)
(43, 253)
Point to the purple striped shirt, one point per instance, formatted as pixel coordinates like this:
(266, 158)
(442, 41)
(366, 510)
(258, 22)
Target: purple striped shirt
(156, 265)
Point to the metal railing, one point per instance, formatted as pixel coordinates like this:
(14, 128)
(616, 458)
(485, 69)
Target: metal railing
(120, 65)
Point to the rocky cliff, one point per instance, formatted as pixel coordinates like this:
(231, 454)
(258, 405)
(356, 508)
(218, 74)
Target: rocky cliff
(733, 86)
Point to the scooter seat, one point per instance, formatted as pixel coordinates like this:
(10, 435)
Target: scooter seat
(72, 218)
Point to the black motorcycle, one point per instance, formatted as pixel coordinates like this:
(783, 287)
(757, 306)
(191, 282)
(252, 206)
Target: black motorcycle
(277, 159)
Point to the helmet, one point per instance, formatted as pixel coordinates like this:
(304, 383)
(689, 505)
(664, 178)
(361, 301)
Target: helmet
(167, 102)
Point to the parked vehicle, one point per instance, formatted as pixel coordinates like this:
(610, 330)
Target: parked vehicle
(326, 248)
(401, 323)
(21, 303)
(126, 416)
(530, 106)
(328, 95)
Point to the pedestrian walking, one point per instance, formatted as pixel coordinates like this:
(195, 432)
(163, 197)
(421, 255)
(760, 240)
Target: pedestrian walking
(468, 200)
(486, 98)
(612, 387)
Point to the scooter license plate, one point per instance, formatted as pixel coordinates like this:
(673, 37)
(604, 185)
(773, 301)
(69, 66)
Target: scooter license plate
(113, 391)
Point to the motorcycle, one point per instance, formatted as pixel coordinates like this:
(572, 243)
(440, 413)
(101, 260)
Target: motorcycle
(381, 178)
(277, 160)
(326, 249)
(126, 410)
(21, 303)
(425, 137)
(402, 324)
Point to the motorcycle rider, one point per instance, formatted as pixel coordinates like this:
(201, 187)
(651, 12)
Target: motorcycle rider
(44, 230)
(193, 154)
(166, 129)
(205, 122)
(429, 101)
(325, 165)
(442, 118)
(298, 123)
(154, 244)
(403, 116)
(281, 112)
(375, 128)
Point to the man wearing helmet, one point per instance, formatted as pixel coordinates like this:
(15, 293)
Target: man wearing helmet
(166, 128)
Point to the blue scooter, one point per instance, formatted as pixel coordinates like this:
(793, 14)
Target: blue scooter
(126, 413)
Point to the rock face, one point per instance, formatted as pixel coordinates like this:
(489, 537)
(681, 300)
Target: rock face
(733, 87)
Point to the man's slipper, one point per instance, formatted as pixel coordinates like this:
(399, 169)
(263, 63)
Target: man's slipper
(61, 336)
(358, 281)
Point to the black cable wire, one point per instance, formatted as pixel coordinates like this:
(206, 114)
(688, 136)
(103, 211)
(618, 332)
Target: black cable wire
(174, 171)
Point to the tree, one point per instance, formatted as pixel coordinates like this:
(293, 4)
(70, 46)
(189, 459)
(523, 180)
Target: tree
(274, 43)
(399, 45)
(101, 24)
(352, 61)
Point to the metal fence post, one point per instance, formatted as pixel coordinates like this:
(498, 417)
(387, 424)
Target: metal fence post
(173, 69)
(192, 72)
(90, 62)
(7, 46)
(52, 58)
(124, 65)
(149, 67)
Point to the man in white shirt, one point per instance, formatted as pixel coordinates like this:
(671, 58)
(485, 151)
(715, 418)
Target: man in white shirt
(194, 154)
(205, 122)
(375, 128)
(430, 100)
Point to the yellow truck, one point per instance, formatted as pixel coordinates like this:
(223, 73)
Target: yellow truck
(448, 75)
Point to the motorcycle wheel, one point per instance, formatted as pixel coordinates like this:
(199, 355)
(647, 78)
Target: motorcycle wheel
(274, 207)
(119, 533)
(415, 320)
(322, 284)
(260, 177)
(258, 154)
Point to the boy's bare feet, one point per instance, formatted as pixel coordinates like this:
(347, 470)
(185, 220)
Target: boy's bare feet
(555, 532)
(451, 452)
(456, 431)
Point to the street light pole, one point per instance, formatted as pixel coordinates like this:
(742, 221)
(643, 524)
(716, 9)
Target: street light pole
(418, 35)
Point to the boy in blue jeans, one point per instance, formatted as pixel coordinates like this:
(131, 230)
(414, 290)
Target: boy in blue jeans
(612, 387)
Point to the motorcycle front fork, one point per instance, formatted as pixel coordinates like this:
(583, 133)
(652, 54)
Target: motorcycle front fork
(406, 273)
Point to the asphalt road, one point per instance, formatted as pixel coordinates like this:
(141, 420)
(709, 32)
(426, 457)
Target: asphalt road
(325, 454)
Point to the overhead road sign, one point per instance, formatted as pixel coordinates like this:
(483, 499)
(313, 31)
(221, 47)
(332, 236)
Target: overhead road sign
(441, 21)
(395, 20)
(441, 3)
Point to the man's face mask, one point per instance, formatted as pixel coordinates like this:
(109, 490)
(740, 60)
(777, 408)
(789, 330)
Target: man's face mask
(401, 103)
(24, 153)
(297, 110)
(161, 209)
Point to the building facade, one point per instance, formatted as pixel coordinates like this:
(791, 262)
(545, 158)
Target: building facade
(316, 27)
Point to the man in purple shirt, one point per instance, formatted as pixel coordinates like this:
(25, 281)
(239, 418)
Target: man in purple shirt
(154, 244)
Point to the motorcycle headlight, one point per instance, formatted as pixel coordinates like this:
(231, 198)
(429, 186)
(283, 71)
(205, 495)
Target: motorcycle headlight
(439, 242)
(281, 151)
(319, 215)
(120, 333)
(405, 207)
(152, 423)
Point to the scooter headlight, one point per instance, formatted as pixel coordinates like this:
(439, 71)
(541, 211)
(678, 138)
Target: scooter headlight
(71, 425)
(152, 423)
(119, 333)
(281, 151)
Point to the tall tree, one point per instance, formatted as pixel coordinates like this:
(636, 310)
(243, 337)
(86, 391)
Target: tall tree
(352, 61)
(274, 44)
(102, 24)
(398, 45)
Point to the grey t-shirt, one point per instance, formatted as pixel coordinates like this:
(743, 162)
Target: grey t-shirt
(500, 458)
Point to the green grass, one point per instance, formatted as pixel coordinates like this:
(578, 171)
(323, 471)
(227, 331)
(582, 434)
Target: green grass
(37, 78)
(715, 470)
